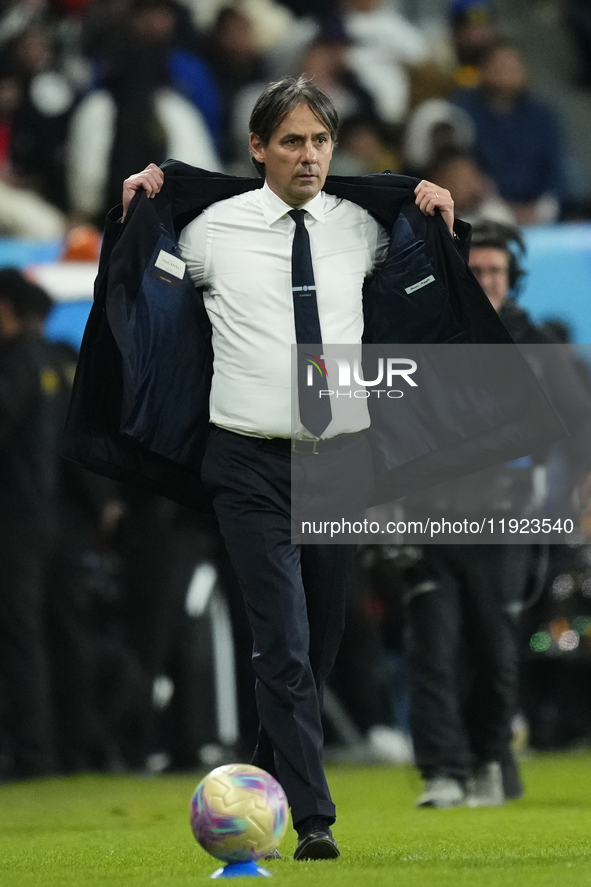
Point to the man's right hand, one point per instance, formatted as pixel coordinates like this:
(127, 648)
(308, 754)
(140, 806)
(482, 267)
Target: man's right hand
(150, 179)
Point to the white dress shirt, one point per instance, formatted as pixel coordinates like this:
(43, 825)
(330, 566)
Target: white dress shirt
(239, 250)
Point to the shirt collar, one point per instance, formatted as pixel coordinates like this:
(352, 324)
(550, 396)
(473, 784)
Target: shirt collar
(275, 208)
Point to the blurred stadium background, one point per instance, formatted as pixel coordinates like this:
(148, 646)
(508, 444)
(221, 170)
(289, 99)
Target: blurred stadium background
(92, 91)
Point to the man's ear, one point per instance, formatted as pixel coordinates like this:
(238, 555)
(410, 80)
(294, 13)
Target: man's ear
(257, 148)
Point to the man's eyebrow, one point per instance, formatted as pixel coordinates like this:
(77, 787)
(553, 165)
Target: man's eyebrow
(299, 135)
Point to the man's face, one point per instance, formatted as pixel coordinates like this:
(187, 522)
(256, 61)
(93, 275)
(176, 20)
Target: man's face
(465, 182)
(297, 157)
(504, 74)
(491, 269)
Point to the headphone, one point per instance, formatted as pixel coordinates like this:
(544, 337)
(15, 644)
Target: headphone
(509, 239)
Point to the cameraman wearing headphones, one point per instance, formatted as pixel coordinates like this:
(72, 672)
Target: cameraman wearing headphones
(494, 261)
(464, 601)
(495, 255)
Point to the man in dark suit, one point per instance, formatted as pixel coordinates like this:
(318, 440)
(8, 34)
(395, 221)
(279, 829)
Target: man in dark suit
(29, 443)
(240, 250)
(171, 379)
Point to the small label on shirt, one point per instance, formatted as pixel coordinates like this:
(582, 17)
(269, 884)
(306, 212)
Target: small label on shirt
(171, 264)
(419, 285)
(165, 278)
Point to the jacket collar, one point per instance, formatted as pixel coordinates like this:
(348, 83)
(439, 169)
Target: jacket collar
(188, 191)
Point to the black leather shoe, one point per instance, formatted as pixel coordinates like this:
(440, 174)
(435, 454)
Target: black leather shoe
(316, 840)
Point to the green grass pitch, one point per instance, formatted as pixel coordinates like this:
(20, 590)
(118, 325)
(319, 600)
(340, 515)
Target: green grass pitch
(133, 832)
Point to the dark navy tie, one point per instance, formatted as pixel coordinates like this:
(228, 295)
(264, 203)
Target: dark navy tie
(315, 411)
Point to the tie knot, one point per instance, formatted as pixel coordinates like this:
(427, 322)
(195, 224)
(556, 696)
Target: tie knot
(298, 216)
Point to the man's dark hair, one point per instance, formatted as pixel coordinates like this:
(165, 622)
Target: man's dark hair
(28, 300)
(279, 99)
(509, 239)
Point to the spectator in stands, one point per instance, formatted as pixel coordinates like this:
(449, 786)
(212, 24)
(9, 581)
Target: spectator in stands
(235, 59)
(518, 138)
(35, 102)
(366, 145)
(434, 127)
(472, 34)
(321, 50)
(40, 119)
(23, 212)
(475, 196)
(326, 62)
(137, 115)
(158, 27)
(385, 47)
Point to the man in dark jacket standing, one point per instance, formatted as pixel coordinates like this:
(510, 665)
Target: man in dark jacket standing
(465, 600)
(244, 252)
(30, 430)
(275, 265)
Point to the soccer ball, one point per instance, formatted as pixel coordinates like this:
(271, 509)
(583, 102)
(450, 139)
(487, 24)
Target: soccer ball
(239, 813)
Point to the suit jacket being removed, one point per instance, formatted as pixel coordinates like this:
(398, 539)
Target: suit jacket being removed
(139, 409)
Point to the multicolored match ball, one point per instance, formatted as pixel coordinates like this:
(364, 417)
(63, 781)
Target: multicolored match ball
(239, 813)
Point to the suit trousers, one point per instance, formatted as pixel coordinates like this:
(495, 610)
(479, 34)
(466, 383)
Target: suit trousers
(24, 663)
(295, 603)
(463, 643)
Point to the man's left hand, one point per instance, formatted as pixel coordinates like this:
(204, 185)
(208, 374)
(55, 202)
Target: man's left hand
(431, 197)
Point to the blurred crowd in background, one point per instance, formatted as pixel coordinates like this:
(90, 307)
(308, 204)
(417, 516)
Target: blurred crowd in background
(109, 634)
(93, 90)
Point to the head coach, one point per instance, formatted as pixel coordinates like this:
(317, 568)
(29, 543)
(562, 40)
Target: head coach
(241, 250)
(185, 377)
